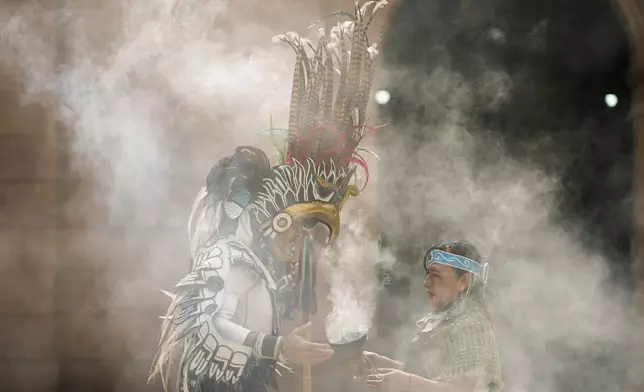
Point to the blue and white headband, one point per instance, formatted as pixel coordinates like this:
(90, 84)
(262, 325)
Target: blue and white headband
(456, 261)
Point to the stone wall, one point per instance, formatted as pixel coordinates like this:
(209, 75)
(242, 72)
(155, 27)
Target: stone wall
(29, 216)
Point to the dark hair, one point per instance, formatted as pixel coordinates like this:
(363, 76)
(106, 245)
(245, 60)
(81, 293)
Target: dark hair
(244, 170)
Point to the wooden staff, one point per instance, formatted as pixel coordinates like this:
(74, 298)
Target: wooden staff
(307, 381)
(306, 298)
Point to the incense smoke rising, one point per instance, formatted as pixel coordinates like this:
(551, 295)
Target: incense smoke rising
(153, 93)
(142, 91)
(352, 275)
(162, 91)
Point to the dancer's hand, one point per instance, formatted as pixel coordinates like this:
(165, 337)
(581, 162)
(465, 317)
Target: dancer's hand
(296, 349)
(389, 380)
(380, 361)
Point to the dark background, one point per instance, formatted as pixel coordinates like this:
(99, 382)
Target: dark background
(562, 57)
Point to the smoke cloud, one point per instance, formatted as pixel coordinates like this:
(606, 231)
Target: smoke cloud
(150, 95)
(562, 324)
(154, 92)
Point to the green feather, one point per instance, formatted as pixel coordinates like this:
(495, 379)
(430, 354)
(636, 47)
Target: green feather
(281, 152)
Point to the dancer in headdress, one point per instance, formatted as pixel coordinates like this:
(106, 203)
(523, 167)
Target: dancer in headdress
(455, 348)
(257, 230)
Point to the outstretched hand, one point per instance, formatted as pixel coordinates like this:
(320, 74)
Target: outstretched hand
(295, 348)
(389, 380)
(381, 361)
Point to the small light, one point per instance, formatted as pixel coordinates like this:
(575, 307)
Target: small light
(382, 97)
(611, 100)
(496, 36)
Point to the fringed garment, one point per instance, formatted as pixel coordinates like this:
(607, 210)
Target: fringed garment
(259, 377)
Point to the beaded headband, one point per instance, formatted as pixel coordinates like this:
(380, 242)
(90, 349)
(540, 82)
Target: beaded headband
(456, 261)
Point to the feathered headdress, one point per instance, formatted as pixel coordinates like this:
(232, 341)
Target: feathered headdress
(331, 86)
(327, 121)
(320, 156)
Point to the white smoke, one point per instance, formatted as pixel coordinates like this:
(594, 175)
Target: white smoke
(352, 276)
(151, 90)
(154, 92)
(561, 323)
(149, 94)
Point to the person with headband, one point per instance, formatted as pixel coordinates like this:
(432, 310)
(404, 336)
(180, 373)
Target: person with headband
(455, 348)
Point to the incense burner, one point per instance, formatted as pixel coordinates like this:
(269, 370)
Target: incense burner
(349, 351)
(350, 347)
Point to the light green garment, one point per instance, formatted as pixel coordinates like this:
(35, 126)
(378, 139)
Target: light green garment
(461, 344)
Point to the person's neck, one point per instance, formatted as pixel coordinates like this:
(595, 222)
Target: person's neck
(453, 307)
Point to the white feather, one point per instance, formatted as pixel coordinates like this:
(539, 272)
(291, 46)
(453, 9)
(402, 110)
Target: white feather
(169, 294)
(195, 208)
(233, 211)
(381, 4)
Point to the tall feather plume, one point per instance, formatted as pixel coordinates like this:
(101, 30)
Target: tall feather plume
(353, 76)
(298, 86)
(343, 30)
(319, 93)
(314, 88)
(368, 53)
(305, 120)
(331, 88)
(327, 99)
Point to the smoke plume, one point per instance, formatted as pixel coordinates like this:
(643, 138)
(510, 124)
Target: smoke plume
(153, 92)
(562, 324)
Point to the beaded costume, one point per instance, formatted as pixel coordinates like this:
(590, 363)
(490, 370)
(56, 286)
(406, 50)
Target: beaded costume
(221, 331)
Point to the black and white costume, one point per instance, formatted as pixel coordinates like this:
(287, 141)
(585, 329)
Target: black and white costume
(221, 331)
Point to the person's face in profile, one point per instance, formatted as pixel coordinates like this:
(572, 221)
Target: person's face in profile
(443, 285)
